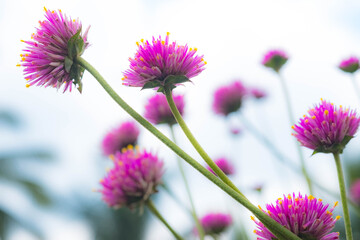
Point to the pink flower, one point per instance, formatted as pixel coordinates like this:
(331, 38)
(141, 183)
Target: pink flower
(307, 217)
(215, 223)
(228, 99)
(121, 137)
(49, 59)
(157, 109)
(224, 165)
(161, 63)
(275, 59)
(327, 128)
(355, 191)
(350, 65)
(257, 93)
(132, 180)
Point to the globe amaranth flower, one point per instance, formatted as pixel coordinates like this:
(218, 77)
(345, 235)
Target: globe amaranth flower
(355, 191)
(350, 65)
(133, 178)
(229, 98)
(49, 58)
(305, 216)
(157, 109)
(215, 223)
(275, 59)
(224, 165)
(327, 128)
(161, 63)
(118, 138)
(257, 93)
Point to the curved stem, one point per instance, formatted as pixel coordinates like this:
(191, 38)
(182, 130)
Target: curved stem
(343, 196)
(356, 88)
(195, 143)
(292, 120)
(153, 209)
(277, 229)
(181, 168)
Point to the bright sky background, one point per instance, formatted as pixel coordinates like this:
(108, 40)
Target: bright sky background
(233, 36)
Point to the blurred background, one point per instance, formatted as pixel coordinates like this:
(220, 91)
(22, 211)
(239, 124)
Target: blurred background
(50, 156)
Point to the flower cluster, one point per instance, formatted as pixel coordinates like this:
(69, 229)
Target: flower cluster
(121, 137)
(48, 59)
(355, 191)
(229, 98)
(327, 128)
(224, 165)
(350, 65)
(307, 217)
(215, 223)
(160, 63)
(275, 59)
(157, 109)
(133, 178)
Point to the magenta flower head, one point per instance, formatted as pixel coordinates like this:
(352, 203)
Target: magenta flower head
(162, 63)
(121, 137)
(355, 191)
(229, 98)
(327, 128)
(50, 57)
(224, 165)
(258, 93)
(157, 109)
(132, 180)
(350, 65)
(215, 223)
(275, 59)
(306, 217)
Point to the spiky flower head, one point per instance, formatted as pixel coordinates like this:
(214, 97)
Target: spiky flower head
(355, 191)
(118, 138)
(229, 98)
(257, 93)
(327, 128)
(275, 59)
(225, 166)
(161, 63)
(215, 223)
(349, 65)
(133, 178)
(157, 109)
(49, 58)
(305, 216)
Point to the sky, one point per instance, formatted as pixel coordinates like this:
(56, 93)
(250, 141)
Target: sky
(233, 37)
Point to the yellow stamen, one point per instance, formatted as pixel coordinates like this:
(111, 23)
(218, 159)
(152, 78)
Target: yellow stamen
(162, 42)
(22, 59)
(259, 207)
(205, 63)
(320, 200)
(202, 59)
(167, 34)
(130, 147)
(340, 106)
(27, 85)
(326, 112)
(268, 211)
(310, 197)
(338, 217)
(22, 40)
(290, 206)
(336, 203)
(279, 198)
(137, 43)
(190, 49)
(52, 11)
(45, 9)
(321, 99)
(289, 197)
(18, 65)
(195, 49)
(306, 120)
(313, 117)
(252, 218)
(112, 157)
(293, 127)
(141, 58)
(255, 231)
(142, 40)
(280, 202)
(123, 78)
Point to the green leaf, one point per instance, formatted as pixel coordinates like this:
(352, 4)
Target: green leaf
(152, 84)
(68, 64)
(175, 79)
(72, 51)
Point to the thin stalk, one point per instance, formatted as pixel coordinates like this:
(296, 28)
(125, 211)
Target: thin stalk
(195, 143)
(153, 209)
(343, 196)
(277, 229)
(356, 88)
(181, 168)
(292, 120)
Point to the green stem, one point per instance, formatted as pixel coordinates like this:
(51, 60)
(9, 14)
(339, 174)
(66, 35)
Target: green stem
(277, 229)
(343, 196)
(356, 88)
(153, 209)
(195, 143)
(181, 168)
(292, 120)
